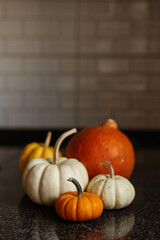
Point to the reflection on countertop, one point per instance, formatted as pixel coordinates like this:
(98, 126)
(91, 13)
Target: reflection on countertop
(20, 218)
(40, 222)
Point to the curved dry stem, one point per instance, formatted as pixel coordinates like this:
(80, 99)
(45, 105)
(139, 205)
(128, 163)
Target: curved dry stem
(48, 140)
(59, 141)
(111, 170)
(78, 186)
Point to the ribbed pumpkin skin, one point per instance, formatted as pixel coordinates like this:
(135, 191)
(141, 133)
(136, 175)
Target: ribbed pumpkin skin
(44, 181)
(116, 193)
(71, 207)
(34, 150)
(94, 145)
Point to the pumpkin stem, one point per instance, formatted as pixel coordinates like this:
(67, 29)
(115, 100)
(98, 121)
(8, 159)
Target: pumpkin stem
(111, 170)
(48, 140)
(59, 141)
(78, 186)
(110, 123)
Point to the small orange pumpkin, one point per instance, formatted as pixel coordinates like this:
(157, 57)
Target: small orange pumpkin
(78, 206)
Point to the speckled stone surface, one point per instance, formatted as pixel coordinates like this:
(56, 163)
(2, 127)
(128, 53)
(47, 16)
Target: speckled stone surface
(20, 218)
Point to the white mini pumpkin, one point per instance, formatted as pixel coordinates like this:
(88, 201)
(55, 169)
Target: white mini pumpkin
(115, 191)
(45, 179)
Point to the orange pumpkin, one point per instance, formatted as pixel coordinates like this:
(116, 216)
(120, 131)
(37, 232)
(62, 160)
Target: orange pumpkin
(78, 206)
(97, 144)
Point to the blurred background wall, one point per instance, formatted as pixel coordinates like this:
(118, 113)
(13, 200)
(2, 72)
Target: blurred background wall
(79, 62)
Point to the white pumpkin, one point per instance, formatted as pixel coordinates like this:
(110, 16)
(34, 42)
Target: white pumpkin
(45, 179)
(115, 191)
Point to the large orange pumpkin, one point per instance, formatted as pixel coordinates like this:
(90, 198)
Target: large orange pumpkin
(97, 144)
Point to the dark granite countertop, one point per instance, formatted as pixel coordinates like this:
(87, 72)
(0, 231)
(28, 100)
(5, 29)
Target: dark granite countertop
(20, 218)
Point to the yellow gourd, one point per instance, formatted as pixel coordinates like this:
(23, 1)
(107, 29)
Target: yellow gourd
(36, 150)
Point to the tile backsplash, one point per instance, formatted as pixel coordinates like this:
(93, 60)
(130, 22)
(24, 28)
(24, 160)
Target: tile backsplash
(76, 63)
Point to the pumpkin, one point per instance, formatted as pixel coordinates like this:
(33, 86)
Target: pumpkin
(115, 191)
(36, 150)
(106, 142)
(45, 179)
(78, 206)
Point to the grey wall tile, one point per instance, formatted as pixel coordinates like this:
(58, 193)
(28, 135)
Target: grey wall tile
(58, 119)
(77, 63)
(113, 65)
(25, 119)
(8, 64)
(11, 28)
(24, 83)
(23, 9)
